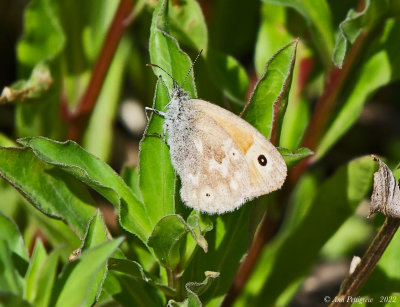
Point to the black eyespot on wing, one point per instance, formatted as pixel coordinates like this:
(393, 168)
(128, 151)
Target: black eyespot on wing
(208, 194)
(262, 160)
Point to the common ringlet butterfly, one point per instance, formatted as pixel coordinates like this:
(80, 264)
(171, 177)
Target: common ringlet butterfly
(222, 160)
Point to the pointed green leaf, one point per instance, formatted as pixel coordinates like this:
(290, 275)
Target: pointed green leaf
(135, 270)
(96, 232)
(269, 99)
(10, 233)
(293, 157)
(10, 280)
(63, 196)
(157, 177)
(39, 256)
(167, 238)
(73, 159)
(131, 177)
(165, 51)
(76, 287)
(46, 279)
(350, 29)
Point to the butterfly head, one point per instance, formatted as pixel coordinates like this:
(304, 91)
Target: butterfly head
(178, 93)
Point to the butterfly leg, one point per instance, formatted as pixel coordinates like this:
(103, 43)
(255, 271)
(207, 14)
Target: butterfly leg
(158, 112)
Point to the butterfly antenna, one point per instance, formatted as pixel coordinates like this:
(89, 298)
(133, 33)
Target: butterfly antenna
(191, 68)
(175, 83)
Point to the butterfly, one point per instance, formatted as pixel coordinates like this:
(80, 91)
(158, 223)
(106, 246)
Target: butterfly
(221, 159)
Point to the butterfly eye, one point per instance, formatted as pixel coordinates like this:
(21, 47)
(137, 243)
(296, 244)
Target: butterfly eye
(262, 160)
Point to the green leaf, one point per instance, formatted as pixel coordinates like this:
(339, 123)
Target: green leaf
(356, 23)
(6, 141)
(319, 20)
(73, 159)
(46, 279)
(276, 276)
(10, 280)
(136, 293)
(42, 38)
(63, 198)
(167, 238)
(131, 178)
(296, 118)
(30, 90)
(55, 231)
(165, 51)
(188, 25)
(354, 232)
(39, 48)
(9, 233)
(349, 30)
(11, 299)
(84, 25)
(195, 289)
(293, 157)
(157, 177)
(32, 275)
(273, 33)
(75, 285)
(227, 244)
(96, 234)
(135, 270)
(269, 99)
(385, 65)
(229, 76)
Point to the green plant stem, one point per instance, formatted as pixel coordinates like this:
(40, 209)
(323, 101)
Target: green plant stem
(352, 285)
(175, 282)
(79, 118)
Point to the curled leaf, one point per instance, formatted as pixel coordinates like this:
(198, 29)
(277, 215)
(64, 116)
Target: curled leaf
(386, 194)
(39, 82)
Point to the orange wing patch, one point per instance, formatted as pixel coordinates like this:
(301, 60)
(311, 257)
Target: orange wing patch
(244, 139)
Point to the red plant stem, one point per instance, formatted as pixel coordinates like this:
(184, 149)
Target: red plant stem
(325, 105)
(80, 116)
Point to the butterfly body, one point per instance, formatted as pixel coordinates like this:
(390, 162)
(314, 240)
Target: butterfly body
(221, 159)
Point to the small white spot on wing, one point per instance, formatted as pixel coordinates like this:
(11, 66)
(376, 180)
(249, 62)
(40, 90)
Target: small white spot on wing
(194, 179)
(233, 184)
(199, 145)
(222, 167)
